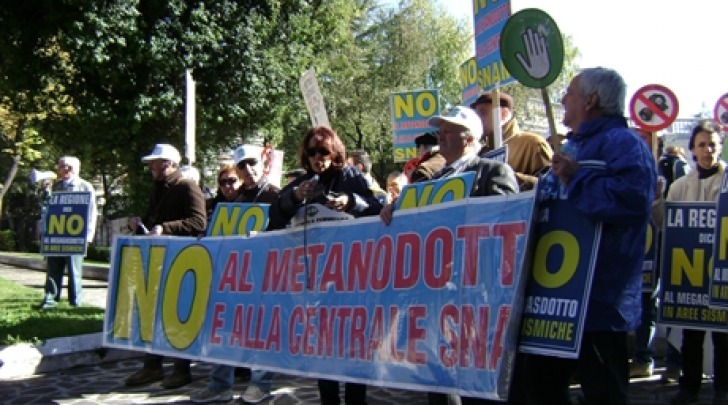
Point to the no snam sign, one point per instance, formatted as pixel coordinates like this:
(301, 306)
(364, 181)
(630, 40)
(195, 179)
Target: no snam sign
(653, 107)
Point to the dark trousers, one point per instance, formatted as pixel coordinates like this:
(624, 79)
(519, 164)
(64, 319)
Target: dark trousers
(153, 361)
(56, 265)
(516, 393)
(436, 398)
(692, 360)
(354, 394)
(602, 366)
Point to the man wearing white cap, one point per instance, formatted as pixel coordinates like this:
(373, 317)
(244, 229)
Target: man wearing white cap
(255, 189)
(460, 129)
(176, 207)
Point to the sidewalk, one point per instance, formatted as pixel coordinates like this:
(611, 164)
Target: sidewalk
(95, 375)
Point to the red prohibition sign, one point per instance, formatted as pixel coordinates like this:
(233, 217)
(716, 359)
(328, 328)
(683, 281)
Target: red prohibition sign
(720, 113)
(653, 107)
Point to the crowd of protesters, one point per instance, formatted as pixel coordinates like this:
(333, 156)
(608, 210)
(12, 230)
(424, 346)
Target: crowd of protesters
(620, 187)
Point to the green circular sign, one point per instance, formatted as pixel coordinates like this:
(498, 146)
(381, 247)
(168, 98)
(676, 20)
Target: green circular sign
(532, 48)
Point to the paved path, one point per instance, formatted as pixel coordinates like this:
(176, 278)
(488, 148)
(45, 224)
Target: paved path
(103, 384)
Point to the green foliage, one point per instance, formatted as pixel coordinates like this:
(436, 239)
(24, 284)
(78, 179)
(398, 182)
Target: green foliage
(105, 81)
(20, 322)
(7, 240)
(98, 253)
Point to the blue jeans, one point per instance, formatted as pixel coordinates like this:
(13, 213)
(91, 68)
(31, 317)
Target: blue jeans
(644, 335)
(56, 265)
(221, 378)
(262, 379)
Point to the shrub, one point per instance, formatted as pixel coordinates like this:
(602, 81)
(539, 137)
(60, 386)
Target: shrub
(98, 253)
(33, 246)
(7, 240)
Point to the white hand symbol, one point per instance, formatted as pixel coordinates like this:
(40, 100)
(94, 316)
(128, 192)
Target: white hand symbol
(538, 64)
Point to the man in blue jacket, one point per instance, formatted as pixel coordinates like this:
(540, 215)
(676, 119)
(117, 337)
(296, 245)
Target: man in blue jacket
(609, 175)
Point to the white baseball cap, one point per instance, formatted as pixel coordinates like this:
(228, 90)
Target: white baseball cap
(163, 151)
(462, 116)
(245, 152)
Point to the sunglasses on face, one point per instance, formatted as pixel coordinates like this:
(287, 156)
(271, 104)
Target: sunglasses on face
(228, 182)
(311, 152)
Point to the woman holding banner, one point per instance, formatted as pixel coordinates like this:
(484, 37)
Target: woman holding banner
(342, 192)
(702, 184)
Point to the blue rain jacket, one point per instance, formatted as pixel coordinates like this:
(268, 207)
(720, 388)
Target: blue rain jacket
(615, 184)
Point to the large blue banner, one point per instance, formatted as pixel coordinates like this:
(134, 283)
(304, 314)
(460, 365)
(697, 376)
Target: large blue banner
(428, 303)
(719, 281)
(66, 224)
(566, 243)
(687, 250)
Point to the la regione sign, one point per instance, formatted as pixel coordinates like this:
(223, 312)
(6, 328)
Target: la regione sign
(66, 224)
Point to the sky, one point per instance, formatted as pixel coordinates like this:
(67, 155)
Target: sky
(672, 43)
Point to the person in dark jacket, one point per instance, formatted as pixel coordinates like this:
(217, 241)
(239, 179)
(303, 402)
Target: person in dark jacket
(253, 187)
(430, 160)
(460, 129)
(176, 207)
(458, 137)
(609, 175)
(328, 181)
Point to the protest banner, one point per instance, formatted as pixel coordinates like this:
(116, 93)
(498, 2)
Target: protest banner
(420, 304)
(313, 99)
(238, 219)
(557, 294)
(687, 264)
(66, 224)
(719, 280)
(489, 18)
(423, 193)
(410, 111)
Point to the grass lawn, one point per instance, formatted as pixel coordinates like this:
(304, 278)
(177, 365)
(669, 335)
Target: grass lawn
(21, 322)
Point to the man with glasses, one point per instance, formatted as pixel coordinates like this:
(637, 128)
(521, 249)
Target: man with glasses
(459, 131)
(255, 189)
(68, 180)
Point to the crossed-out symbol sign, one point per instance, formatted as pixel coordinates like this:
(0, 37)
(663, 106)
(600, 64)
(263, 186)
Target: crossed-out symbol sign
(653, 107)
(720, 112)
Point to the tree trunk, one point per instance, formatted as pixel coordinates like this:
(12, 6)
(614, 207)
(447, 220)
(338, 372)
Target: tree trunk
(19, 138)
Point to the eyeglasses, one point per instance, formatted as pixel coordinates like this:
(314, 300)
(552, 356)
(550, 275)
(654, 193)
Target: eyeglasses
(228, 181)
(311, 152)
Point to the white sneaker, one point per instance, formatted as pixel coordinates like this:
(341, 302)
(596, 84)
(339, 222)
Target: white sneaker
(253, 395)
(206, 396)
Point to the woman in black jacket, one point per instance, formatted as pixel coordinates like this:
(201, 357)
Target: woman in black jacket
(330, 182)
